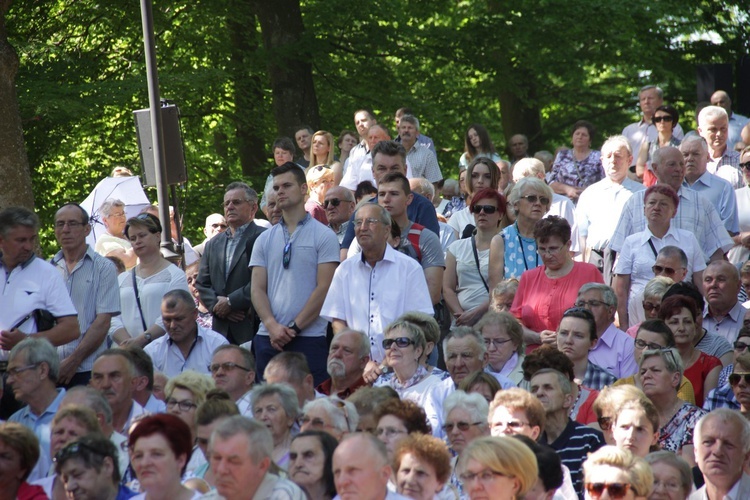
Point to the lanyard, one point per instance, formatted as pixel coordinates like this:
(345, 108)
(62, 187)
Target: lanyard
(520, 243)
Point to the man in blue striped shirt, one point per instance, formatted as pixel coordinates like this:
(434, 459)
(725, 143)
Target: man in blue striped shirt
(92, 285)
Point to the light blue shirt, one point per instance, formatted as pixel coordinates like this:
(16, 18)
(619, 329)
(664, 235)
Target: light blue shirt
(721, 195)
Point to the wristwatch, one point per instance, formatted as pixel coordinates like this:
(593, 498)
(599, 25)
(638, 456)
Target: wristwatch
(148, 337)
(293, 326)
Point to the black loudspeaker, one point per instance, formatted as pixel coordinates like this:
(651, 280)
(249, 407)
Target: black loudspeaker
(713, 77)
(742, 103)
(170, 115)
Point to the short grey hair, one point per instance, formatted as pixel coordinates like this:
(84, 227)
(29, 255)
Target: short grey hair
(260, 441)
(428, 190)
(110, 203)
(385, 217)
(711, 112)
(527, 167)
(614, 142)
(672, 363)
(411, 119)
(608, 294)
(174, 297)
(364, 342)
(343, 414)
(462, 332)
(525, 183)
(17, 216)
(287, 396)
(671, 251)
(250, 193)
(38, 350)
(659, 91)
(94, 399)
(657, 287)
(658, 155)
(727, 415)
(695, 138)
(565, 385)
(474, 403)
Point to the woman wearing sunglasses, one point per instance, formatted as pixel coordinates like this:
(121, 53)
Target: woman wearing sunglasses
(665, 120)
(660, 371)
(469, 262)
(530, 199)
(723, 396)
(652, 295)
(482, 173)
(635, 263)
(546, 292)
(613, 473)
(465, 419)
(576, 169)
(404, 343)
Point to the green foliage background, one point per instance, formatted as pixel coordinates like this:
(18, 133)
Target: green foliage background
(82, 74)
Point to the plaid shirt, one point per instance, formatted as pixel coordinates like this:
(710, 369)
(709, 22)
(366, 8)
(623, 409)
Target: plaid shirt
(597, 377)
(721, 397)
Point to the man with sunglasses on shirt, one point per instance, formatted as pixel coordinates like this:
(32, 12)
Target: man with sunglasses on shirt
(292, 266)
(339, 205)
(723, 395)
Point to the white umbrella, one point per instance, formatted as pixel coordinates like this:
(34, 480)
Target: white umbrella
(126, 189)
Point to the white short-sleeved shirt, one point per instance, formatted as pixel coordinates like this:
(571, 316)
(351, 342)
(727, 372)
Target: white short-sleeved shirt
(369, 298)
(169, 360)
(598, 225)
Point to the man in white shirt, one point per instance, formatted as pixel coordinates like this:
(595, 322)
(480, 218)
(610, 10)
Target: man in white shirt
(722, 448)
(233, 370)
(187, 345)
(650, 97)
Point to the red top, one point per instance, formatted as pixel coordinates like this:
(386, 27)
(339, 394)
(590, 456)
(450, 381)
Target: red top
(698, 372)
(541, 301)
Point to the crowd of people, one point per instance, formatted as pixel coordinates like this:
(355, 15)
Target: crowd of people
(555, 326)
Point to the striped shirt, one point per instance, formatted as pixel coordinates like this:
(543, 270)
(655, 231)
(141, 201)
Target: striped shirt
(573, 446)
(93, 288)
(423, 163)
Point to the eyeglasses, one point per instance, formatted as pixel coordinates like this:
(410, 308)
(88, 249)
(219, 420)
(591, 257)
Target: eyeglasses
(548, 250)
(370, 221)
(745, 165)
(588, 304)
(315, 423)
(401, 342)
(667, 119)
(740, 346)
(486, 476)
(388, 431)
(671, 486)
(121, 214)
(236, 201)
(642, 344)
(605, 423)
(227, 367)
(462, 426)
(183, 405)
(72, 224)
(488, 209)
(513, 424)
(223, 226)
(532, 198)
(335, 202)
(734, 378)
(667, 271)
(73, 449)
(496, 342)
(648, 306)
(13, 372)
(615, 490)
(287, 255)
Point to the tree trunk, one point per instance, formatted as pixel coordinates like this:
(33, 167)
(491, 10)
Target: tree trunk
(15, 180)
(520, 117)
(289, 66)
(248, 89)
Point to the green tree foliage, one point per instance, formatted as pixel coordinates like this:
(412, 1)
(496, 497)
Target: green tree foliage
(454, 62)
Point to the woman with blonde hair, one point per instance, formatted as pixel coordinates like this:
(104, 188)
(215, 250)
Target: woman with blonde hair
(619, 472)
(321, 149)
(501, 468)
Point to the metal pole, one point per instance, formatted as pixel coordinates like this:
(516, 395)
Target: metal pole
(160, 163)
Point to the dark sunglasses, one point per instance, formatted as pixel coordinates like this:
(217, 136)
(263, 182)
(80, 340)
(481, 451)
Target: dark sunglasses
(488, 209)
(668, 271)
(735, 378)
(334, 201)
(615, 490)
(740, 346)
(287, 255)
(73, 449)
(605, 423)
(400, 342)
(642, 344)
(745, 165)
(666, 118)
(462, 426)
(648, 307)
(532, 198)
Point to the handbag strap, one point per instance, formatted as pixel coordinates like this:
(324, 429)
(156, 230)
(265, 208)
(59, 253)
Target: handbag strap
(138, 300)
(476, 261)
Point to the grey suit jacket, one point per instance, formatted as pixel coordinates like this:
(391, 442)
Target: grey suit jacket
(214, 281)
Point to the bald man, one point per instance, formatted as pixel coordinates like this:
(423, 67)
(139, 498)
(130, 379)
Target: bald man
(724, 314)
(361, 469)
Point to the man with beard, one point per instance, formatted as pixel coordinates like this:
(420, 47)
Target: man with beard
(347, 358)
